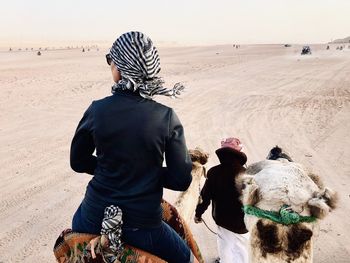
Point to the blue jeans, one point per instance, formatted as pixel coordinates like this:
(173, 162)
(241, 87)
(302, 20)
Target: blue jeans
(161, 241)
(82, 224)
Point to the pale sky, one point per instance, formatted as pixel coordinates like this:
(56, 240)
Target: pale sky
(189, 22)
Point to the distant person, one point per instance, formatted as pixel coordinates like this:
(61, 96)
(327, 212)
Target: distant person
(220, 189)
(131, 133)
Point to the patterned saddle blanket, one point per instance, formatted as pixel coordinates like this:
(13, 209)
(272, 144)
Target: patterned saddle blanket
(73, 247)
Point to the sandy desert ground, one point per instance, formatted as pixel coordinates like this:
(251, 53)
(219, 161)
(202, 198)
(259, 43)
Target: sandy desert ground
(263, 94)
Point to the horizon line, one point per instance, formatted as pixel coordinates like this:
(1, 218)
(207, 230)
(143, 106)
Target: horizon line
(91, 44)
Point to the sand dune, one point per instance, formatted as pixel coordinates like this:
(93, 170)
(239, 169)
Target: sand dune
(263, 94)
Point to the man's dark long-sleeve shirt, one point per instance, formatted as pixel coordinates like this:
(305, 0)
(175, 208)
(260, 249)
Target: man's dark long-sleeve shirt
(130, 135)
(220, 189)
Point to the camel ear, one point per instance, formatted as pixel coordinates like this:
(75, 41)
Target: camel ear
(331, 198)
(322, 203)
(251, 193)
(239, 182)
(317, 180)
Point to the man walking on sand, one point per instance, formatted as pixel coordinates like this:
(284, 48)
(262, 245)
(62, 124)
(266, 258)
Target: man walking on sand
(220, 188)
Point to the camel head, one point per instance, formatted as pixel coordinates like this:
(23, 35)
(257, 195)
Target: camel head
(283, 204)
(198, 157)
(276, 153)
(186, 201)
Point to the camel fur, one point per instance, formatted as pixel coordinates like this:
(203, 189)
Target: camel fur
(269, 185)
(186, 201)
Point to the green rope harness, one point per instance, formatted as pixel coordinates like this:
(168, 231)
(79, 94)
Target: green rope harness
(285, 216)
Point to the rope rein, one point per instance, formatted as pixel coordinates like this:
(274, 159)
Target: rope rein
(285, 216)
(204, 172)
(209, 227)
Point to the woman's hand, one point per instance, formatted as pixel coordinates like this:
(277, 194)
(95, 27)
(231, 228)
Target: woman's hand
(93, 244)
(197, 220)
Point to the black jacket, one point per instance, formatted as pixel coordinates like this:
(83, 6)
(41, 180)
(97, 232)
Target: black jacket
(130, 135)
(220, 188)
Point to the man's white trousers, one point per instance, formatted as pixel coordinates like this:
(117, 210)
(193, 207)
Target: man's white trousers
(232, 247)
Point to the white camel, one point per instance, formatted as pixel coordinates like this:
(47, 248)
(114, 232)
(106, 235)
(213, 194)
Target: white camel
(186, 201)
(283, 203)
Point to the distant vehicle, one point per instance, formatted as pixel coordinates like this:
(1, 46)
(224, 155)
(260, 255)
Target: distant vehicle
(306, 50)
(287, 45)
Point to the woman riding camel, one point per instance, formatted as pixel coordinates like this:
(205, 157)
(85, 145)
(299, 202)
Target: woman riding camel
(131, 133)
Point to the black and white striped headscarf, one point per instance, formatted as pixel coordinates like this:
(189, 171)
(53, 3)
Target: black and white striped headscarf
(138, 62)
(112, 228)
